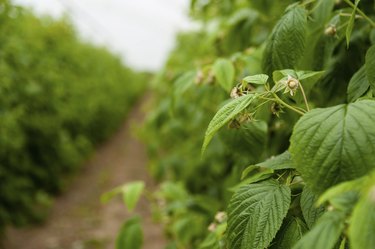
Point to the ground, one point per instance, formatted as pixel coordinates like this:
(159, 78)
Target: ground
(78, 220)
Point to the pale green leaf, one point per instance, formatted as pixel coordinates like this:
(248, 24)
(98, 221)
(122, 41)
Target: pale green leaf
(325, 233)
(349, 28)
(335, 144)
(358, 85)
(259, 79)
(362, 227)
(310, 210)
(130, 235)
(184, 82)
(224, 115)
(255, 214)
(223, 70)
(131, 194)
(370, 66)
(286, 44)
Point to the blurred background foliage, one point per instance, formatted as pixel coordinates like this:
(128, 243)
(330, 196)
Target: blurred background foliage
(59, 98)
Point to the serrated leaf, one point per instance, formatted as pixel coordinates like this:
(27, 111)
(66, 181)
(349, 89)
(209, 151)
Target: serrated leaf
(224, 115)
(362, 226)
(325, 233)
(223, 70)
(335, 144)
(255, 214)
(358, 85)
(349, 28)
(259, 79)
(130, 235)
(310, 210)
(370, 66)
(287, 41)
(282, 161)
(292, 232)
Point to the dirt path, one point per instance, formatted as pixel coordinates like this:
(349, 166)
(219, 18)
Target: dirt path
(78, 220)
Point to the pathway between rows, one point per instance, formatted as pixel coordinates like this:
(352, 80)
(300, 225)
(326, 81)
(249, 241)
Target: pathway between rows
(78, 220)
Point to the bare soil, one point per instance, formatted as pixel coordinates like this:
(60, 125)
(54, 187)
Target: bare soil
(78, 220)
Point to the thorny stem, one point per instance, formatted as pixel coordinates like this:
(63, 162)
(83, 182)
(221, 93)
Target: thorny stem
(285, 104)
(360, 12)
(304, 97)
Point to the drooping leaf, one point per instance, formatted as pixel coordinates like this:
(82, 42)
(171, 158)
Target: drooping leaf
(255, 214)
(349, 28)
(259, 79)
(358, 85)
(130, 235)
(335, 144)
(362, 227)
(282, 161)
(131, 193)
(325, 233)
(310, 210)
(292, 232)
(370, 66)
(287, 41)
(223, 70)
(224, 115)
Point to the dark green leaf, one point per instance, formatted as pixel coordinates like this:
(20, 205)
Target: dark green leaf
(255, 214)
(370, 66)
(224, 115)
(287, 41)
(349, 28)
(310, 211)
(292, 232)
(130, 236)
(358, 85)
(335, 144)
(325, 233)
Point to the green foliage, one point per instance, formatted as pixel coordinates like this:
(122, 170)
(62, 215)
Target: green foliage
(130, 235)
(59, 98)
(346, 134)
(255, 214)
(301, 119)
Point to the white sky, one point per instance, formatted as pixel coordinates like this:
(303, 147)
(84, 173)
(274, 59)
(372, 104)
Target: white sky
(141, 31)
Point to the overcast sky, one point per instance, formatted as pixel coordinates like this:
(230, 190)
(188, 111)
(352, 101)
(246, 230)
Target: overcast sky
(141, 31)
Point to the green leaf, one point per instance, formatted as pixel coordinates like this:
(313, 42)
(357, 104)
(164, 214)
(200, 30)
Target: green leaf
(224, 115)
(184, 82)
(292, 232)
(287, 41)
(259, 79)
(362, 227)
(310, 210)
(130, 235)
(325, 233)
(131, 194)
(322, 12)
(223, 70)
(255, 214)
(282, 161)
(349, 28)
(370, 66)
(358, 85)
(335, 144)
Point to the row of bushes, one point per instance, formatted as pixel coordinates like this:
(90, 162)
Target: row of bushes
(59, 97)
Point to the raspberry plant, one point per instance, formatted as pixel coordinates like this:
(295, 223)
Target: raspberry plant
(277, 98)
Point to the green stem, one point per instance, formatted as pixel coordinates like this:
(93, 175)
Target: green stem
(286, 105)
(360, 12)
(304, 97)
